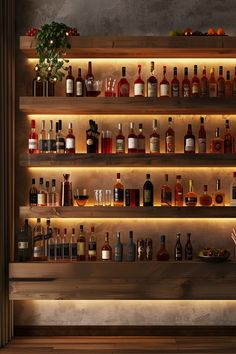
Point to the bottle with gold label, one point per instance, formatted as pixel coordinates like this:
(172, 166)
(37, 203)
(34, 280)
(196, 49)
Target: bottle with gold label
(217, 143)
(191, 196)
(170, 137)
(81, 243)
(218, 198)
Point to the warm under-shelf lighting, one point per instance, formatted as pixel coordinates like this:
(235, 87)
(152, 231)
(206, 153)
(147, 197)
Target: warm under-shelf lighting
(194, 170)
(143, 220)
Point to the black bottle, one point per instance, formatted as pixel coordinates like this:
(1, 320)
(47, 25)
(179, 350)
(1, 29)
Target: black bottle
(188, 248)
(178, 249)
(148, 192)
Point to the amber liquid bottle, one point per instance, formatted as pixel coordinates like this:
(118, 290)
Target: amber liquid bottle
(202, 137)
(204, 88)
(217, 143)
(189, 141)
(79, 85)
(175, 84)
(70, 141)
(195, 83)
(106, 249)
(191, 196)
(154, 139)
(164, 85)
(162, 254)
(186, 86)
(228, 139)
(120, 141)
(205, 199)
(166, 193)
(118, 195)
(179, 196)
(123, 84)
(221, 83)
(70, 83)
(152, 83)
(170, 137)
(212, 84)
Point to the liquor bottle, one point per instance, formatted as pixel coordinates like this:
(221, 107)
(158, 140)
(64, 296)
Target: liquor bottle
(120, 141)
(33, 139)
(65, 251)
(51, 252)
(188, 249)
(106, 249)
(228, 85)
(81, 245)
(154, 139)
(37, 83)
(152, 82)
(41, 198)
(175, 84)
(131, 248)
(228, 139)
(166, 193)
(49, 89)
(58, 246)
(33, 194)
(189, 141)
(179, 194)
(73, 246)
(38, 242)
(141, 254)
(118, 256)
(89, 76)
(79, 85)
(218, 196)
(221, 83)
(53, 195)
(92, 246)
(204, 86)
(70, 141)
(92, 137)
(66, 191)
(24, 243)
(170, 138)
(212, 84)
(191, 196)
(186, 86)
(60, 140)
(164, 85)
(178, 252)
(202, 137)
(148, 192)
(47, 193)
(118, 192)
(140, 140)
(43, 139)
(70, 83)
(195, 83)
(48, 236)
(139, 84)
(132, 140)
(234, 83)
(217, 143)
(148, 249)
(123, 84)
(162, 254)
(51, 139)
(233, 191)
(205, 199)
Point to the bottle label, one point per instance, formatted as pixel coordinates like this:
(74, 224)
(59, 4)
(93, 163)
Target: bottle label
(132, 143)
(195, 88)
(164, 90)
(60, 145)
(70, 143)
(92, 248)
(138, 89)
(38, 252)
(189, 144)
(201, 145)
(41, 199)
(212, 89)
(105, 254)
(79, 88)
(81, 248)
(124, 90)
(218, 146)
(175, 90)
(51, 145)
(147, 196)
(65, 251)
(219, 198)
(69, 86)
(234, 192)
(170, 143)
(118, 195)
(221, 88)
(33, 198)
(186, 90)
(190, 200)
(23, 245)
(204, 88)
(32, 144)
(152, 89)
(154, 144)
(141, 144)
(38, 237)
(90, 141)
(120, 145)
(43, 145)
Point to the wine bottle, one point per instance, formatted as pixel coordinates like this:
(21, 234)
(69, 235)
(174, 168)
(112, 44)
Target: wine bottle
(175, 84)
(70, 83)
(178, 252)
(79, 85)
(123, 84)
(139, 84)
(164, 85)
(152, 83)
(148, 192)
(189, 141)
(118, 257)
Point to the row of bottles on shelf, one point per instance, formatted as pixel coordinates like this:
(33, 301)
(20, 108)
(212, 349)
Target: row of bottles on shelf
(120, 196)
(204, 86)
(47, 244)
(57, 142)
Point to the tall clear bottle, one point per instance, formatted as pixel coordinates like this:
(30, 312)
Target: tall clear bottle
(51, 139)
(38, 242)
(43, 139)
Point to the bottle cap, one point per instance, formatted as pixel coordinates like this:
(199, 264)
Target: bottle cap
(154, 123)
(32, 123)
(186, 71)
(73, 231)
(118, 175)
(163, 238)
(148, 175)
(189, 126)
(47, 184)
(166, 177)
(60, 124)
(120, 126)
(131, 125)
(81, 227)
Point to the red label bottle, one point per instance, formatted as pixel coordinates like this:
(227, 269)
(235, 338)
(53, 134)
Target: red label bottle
(195, 83)
(33, 139)
(123, 85)
(139, 84)
(164, 85)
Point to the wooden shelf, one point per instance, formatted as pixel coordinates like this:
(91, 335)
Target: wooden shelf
(143, 47)
(127, 212)
(127, 160)
(127, 105)
(137, 280)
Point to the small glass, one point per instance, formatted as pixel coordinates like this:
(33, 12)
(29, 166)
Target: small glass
(108, 197)
(81, 198)
(93, 87)
(99, 197)
(106, 142)
(110, 90)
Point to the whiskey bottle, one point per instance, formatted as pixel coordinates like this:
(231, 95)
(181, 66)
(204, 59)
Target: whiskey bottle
(212, 84)
(148, 249)
(33, 194)
(140, 140)
(106, 249)
(204, 88)
(70, 141)
(66, 191)
(166, 193)
(70, 83)
(221, 83)
(228, 85)
(65, 249)
(24, 243)
(195, 83)
(178, 192)
(191, 196)
(148, 192)
(202, 137)
(118, 257)
(155, 139)
(178, 252)
(123, 84)
(60, 140)
(189, 141)
(118, 192)
(234, 83)
(47, 194)
(48, 236)
(175, 84)
(219, 195)
(120, 141)
(132, 140)
(152, 82)
(41, 198)
(162, 254)
(188, 248)
(217, 143)
(53, 195)
(79, 85)
(38, 86)
(58, 246)
(51, 139)
(38, 242)
(228, 139)
(139, 84)
(205, 199)
(233, 191)
(81, 245)
(43, 139)
(164, 85)
(186, 86)
(92, 246)
(131, 248)
(141, 254)
(170, 138)
(33, 139)
(73, 246)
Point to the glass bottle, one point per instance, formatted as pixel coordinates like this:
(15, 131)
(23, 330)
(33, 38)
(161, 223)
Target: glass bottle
(49, 86)
(120, 141)
(141, 254)
(106, 249)
(219, 195)
(164, 85)
(66, 191)
(48, 236)
(233, 191)
(60, 140)
(179, 194)
(170, 137)
(154, 139)
(38, 86)
(118, 192)
(73, 246)
(234, 83)
(92, 246)
(166, 193)
(148, 249)
(148, 192)
(217, 143)
(51, 248)
(24, 243)
(205, 199)
(139, 84)
(79, 84)
(70, 83)
(152, 82)
(33, 139)
(191, 196)
(81, 245)
(175, 84)
(212, 84)
(38, 242)
(178, 251)
(58, 246)
(189, 141)
(33, 194)
(202, 137)
(131, 248)
(118, 256)
(195, 83)
(221, 83)
(132, 140)
(43, 139)
(92, 137)
(140, 140)
(228, 139)
(89, 76)
(228, 85)
(70, 141)
(188, 248)
(41, 198)
(47, 196)
(186, 86)
(65, 251)
(162, 254)
(53, 195)
(51, 139)
(204, 86)
(123, 84)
